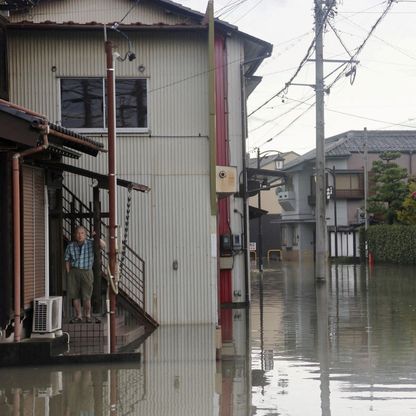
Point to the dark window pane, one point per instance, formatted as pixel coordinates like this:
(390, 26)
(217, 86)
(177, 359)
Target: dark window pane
(131, 103)
(82, 103)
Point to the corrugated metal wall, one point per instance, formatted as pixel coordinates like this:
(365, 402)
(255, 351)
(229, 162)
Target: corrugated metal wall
(172, 222)
(99, 11)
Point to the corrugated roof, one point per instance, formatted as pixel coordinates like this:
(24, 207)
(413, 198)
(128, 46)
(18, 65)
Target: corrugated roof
(254, 47)
(342, 145)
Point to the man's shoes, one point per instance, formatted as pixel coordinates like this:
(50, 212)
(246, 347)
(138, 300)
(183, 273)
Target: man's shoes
(90, 320)
(75, 320)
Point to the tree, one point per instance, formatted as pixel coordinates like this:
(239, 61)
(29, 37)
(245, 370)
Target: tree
(390, 189)
(407, 214)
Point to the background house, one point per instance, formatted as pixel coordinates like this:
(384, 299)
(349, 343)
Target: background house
(165, 135)
(271, 222)
(345, 153)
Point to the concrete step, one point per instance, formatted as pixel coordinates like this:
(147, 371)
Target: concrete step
(94, 335)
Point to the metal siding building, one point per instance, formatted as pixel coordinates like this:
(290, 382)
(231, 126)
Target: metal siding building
(173, 223)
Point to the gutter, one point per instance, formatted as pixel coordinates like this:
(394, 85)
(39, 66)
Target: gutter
(17, 229)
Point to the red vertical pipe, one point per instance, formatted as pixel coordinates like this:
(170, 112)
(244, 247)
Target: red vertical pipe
(16, 245)
(223, 159)
(111, 187)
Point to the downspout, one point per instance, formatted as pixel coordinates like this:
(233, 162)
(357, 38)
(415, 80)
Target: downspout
(16, 228)
(112, 194)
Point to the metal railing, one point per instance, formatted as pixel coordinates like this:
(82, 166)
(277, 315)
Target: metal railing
(132, 266)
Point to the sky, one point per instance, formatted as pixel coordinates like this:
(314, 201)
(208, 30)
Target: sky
(382, 96)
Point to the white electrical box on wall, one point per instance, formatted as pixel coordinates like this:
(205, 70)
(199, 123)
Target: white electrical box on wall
(226, 180)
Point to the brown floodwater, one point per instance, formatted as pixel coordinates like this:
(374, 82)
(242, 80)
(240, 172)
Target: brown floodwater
(346, 347)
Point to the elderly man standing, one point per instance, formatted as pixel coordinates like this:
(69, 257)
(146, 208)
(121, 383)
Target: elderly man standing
(79, 259)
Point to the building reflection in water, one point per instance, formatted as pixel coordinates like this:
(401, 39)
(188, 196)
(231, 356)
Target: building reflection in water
(345, 347)
(179, 376)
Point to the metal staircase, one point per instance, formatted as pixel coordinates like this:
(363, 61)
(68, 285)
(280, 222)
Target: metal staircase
(131, 286)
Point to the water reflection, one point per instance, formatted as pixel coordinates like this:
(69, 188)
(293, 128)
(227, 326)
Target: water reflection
(179, 376)
(343, 348)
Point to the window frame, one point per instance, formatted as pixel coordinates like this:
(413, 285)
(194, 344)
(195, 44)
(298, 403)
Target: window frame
(100, 130)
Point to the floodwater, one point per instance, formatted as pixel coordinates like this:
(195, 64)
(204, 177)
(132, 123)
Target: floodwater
(346, 347)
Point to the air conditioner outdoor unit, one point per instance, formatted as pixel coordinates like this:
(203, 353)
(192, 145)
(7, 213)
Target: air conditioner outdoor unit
(47, 317)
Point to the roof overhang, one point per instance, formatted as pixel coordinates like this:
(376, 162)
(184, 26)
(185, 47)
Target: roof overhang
(102, 180)
(254, 212)
(25, 128)
(265, 176)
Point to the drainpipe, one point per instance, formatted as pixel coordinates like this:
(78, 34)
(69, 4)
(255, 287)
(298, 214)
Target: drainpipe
(112, 191)
(16, 228)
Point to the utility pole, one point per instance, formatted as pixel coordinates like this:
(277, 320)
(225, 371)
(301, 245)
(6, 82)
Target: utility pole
(320, 208)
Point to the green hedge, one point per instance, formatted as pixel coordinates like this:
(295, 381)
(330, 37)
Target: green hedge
(392, 243)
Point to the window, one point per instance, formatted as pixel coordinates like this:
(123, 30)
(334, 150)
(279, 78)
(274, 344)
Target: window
(349, 181)
(83, 103)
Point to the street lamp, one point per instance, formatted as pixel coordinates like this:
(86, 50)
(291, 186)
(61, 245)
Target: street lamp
(278, 160)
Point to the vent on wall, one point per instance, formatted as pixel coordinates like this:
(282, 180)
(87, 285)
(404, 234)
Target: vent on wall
(47, 317)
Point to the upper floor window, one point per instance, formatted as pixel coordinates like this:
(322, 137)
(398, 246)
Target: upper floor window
(83, 103)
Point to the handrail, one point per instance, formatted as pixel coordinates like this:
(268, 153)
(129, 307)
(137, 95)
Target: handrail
(132, 269)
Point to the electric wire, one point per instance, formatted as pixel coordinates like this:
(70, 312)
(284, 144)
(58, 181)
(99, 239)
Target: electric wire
(282, 114)
(287, 126)
(395, 47)
(358, 50)
(248, 11)
(302, 63)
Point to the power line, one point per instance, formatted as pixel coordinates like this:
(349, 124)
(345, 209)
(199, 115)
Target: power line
(283, 114)
(129, 11)
(395, 47)
(352, 70)
(368, 118)
(302, 63)
(248, 11)
(288, 126)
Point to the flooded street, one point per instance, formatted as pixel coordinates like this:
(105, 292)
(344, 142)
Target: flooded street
(346, 347)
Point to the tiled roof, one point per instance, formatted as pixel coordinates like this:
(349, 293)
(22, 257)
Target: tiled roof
(342, 145)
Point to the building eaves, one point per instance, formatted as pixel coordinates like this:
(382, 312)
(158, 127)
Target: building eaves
(61, 136)
(255, 48)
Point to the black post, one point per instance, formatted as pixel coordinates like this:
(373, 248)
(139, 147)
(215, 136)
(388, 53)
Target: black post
(96, 296)
(260, 237)
(335, 211)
